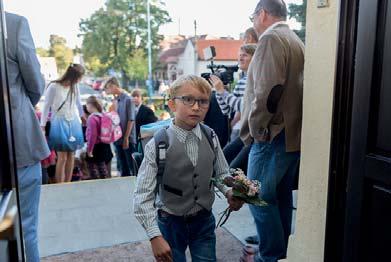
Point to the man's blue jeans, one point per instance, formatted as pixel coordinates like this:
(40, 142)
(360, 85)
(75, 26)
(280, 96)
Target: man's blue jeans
(124, 158)
(275, 169)
(197, 233)
(29, 180)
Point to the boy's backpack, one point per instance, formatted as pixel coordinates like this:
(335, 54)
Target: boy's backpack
(162, 144)
(110, 129)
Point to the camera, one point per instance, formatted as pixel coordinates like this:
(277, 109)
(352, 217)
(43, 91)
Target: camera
(224, 72)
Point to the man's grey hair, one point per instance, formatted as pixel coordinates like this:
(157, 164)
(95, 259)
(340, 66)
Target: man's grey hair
(276, 8)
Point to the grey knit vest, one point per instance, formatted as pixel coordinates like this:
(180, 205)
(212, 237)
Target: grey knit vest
(184, 185)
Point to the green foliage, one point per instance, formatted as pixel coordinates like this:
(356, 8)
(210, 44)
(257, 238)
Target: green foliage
(117, 36)
(137, 66)
(298, 12)
(42, 52)
(62, 53)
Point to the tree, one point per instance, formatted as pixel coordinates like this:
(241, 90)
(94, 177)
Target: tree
(298, 12)
(42, 52)
(110, 35)
(62, 53)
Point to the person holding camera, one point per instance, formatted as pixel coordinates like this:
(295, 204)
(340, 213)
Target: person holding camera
(230, 104)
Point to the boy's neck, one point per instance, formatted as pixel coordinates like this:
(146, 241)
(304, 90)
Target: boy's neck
(182, 125)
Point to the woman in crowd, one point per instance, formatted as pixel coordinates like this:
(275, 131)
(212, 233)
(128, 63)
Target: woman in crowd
(230, 104)
(62, 98)
(98, 153)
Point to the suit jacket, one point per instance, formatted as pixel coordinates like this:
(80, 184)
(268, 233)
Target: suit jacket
(26, 87)
(277, 62)
(144, 116)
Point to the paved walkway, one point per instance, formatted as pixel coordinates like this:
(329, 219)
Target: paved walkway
(94, 214)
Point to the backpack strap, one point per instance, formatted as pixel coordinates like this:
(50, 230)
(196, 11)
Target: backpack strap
(211, 136)
(161, 146)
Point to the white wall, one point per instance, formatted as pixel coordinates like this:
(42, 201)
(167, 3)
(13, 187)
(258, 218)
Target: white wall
(186, 61)
(307, 244)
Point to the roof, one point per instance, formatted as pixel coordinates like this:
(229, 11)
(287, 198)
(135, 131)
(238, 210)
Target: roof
(226, 49)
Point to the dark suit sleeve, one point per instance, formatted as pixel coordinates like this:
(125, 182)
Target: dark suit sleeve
(149, 115)
(28, 63)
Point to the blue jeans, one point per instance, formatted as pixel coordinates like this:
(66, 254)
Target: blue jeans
(275, 169)
(197, 233)
(124, 158)
(29, 180)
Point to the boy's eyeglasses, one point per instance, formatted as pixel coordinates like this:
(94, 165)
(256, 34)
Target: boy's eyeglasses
(190, 101)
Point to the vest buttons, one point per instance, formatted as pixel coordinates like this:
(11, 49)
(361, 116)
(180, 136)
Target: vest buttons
(195, 198)
(195, 187)
(195, 175)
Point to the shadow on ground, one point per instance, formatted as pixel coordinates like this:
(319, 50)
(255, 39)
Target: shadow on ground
(228, 249)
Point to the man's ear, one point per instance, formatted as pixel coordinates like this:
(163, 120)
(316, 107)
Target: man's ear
(171, 105)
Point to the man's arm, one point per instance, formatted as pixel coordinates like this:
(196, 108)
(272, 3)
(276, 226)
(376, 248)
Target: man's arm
(130, 116)
(28, 63)
(269, 78)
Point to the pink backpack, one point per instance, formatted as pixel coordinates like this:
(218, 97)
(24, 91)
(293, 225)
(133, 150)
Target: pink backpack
(110, 129)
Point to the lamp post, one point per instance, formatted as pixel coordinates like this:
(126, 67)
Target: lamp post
(150, 88)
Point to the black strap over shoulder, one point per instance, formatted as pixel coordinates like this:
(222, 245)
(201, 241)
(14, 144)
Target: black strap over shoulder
(161, 145)
(210, 135)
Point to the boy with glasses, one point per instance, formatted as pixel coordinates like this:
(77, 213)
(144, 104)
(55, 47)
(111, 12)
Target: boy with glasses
(178, 213)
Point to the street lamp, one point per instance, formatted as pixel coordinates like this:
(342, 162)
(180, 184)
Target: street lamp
(150, 88)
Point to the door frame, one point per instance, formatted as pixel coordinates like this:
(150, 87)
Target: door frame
(349, 146)
(341, 131)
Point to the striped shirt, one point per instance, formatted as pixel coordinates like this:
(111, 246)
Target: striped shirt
(146, 203)
(230, 103)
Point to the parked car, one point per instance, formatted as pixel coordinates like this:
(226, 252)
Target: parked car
(97, 85)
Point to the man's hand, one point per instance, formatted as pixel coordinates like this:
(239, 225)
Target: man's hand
(217, 83)
(161, 250)
(90, 154)
(125, 143)
(234, 203)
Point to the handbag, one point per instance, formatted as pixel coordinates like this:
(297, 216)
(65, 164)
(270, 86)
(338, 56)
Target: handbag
(48, 123)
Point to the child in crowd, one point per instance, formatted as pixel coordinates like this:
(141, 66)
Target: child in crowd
(98, 153)
(175, 208)
(125, 146)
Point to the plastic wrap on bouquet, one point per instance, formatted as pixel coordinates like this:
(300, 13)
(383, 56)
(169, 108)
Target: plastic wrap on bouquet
(65, 135)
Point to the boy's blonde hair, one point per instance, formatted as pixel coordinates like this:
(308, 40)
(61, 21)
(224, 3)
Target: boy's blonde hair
(196, 81)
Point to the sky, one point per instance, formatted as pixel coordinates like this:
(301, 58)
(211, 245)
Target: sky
(62, 17)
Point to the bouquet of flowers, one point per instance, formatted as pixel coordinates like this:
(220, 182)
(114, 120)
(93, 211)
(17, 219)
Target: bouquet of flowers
(242, 188)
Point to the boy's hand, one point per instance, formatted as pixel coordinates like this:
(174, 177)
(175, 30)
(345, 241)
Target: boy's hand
(234, 203)
(161, 250)
(125, 143)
